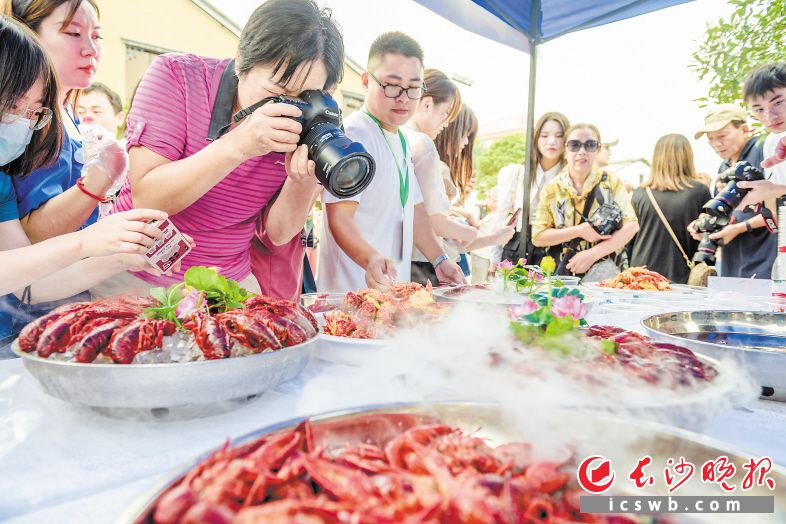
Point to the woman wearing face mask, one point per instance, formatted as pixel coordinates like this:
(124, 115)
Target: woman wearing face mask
(214, 175)
(64, 196)
(548, 159)
(562, 213)
(30, 136)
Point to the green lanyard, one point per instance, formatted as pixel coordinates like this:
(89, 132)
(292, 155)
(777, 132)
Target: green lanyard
(403, 179)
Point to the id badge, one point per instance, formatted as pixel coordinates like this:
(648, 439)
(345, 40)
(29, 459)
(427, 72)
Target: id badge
(407, 232)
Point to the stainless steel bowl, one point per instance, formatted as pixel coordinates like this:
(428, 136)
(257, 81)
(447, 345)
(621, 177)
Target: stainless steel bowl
(584, 434)
(755, 339)
(182, 389)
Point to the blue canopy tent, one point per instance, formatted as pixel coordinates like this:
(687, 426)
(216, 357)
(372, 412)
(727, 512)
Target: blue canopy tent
(524, 25)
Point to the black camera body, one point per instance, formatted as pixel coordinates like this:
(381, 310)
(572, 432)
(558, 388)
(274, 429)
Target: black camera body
(344, 167)
(719, 209)
(706, 225)
(606, 219)
(731, 196)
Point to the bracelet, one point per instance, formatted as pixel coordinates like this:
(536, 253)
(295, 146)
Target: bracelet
(748, 226)
(440, 259)
(80, 183)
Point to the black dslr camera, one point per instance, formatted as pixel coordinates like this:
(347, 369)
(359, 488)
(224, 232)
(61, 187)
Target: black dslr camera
(606, 219)
(719, 208)
(344, 167)
(725, 201)
(706, 225)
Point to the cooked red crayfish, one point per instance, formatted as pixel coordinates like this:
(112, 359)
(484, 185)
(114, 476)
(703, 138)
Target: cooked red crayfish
(428, 473)
(370, 313)
(640, 279)
(117, 330)
(653, 362)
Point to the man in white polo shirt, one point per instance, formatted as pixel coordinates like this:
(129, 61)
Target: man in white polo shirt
(368, 238)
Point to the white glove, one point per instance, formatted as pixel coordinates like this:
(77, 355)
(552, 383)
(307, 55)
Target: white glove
(104, 155)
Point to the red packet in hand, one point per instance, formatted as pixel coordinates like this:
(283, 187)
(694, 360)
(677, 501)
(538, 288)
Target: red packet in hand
(167, 250)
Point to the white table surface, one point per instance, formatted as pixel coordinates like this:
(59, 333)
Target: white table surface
(63, 463)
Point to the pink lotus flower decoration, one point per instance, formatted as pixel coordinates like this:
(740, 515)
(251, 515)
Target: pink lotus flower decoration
(191, 303)
(505, 264)
(527, 307)
(569, 305)
(522, 262)
(534, 276)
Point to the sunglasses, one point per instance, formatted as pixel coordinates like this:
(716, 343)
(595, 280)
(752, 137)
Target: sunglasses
(590, 146)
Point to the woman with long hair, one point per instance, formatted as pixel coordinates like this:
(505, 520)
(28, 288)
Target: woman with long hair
(680, 195)
(455, 145)
(548, 159)
(563, 213)
(64, 196)
(438, 109)
(30, 135)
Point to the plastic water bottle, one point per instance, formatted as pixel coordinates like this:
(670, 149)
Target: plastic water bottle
(779, 268)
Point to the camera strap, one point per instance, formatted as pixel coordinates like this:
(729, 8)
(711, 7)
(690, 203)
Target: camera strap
(769, 220)
(665, 222)
(572, 246)
(403, 178)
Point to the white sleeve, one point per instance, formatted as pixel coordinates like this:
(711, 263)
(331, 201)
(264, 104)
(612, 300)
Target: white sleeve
(776, 173)
(429, 176)
(506, 194)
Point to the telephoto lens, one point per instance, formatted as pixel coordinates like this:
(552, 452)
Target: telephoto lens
(344, 167)
(731, 196)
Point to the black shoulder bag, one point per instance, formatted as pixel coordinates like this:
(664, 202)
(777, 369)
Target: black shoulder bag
(570, 248)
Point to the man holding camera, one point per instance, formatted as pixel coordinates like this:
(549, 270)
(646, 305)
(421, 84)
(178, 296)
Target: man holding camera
(368, 237)
(748, 244)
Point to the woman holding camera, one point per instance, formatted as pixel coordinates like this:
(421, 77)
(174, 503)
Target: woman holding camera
(213, 182)
(673, 190)
(580, 199)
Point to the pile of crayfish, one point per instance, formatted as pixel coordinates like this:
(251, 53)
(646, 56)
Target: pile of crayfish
(370, 313)
(117, 330)
(638, 279)
(430, 473)
(653, 362)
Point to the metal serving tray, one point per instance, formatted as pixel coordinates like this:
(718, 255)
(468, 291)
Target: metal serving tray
(130, 390)
(624, 442)
(755, 339)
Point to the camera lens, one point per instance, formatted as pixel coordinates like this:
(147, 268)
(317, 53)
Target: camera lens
(351, 171)
(342, 166)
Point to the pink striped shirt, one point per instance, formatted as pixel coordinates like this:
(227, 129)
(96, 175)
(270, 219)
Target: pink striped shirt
(171, 116)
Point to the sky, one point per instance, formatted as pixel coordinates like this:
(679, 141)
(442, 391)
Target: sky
(630, 78)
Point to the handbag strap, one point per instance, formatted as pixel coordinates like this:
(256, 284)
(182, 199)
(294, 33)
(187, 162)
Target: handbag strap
(688, 261)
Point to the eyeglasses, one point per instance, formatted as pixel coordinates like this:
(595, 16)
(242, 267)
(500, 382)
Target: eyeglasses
(760, 113)
(590, 146)
(394, 91)
(39, 118)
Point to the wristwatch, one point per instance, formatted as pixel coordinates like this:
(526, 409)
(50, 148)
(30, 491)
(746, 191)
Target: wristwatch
(440, 259)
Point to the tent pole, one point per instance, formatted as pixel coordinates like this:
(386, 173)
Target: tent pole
(530, 143)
